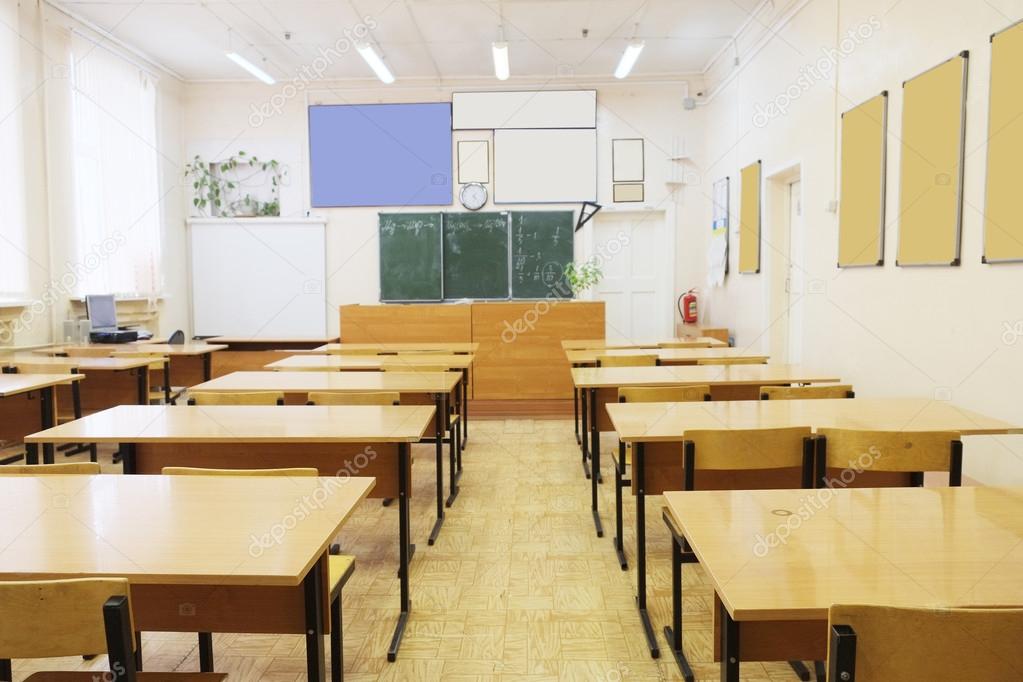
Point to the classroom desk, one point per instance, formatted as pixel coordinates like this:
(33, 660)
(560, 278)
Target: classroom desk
(603, 344)
(646, 423)
(337, 362)
(109, 381)
(435, 387)
(665, 356)
(274, 436)
(887, 546)
(452, 347)
(19, 414)
(191, 540)
(190, 363)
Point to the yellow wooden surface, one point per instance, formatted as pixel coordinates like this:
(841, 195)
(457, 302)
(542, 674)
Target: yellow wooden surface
(408, 347)
(714, 375)
(13, 384)
(246, 424)
(861, 210)
(115, 349)
(337, 362)
(304, 382)
(1003, 206)
(930, 195)
(681, 342)
(81, 363)
(651, 422)
(666, 356)
(749, 219)
(182, 529)
(397, 323)
(889, 546)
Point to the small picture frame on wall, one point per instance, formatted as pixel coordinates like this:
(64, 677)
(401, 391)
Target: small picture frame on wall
(473, 161)
(628, 192)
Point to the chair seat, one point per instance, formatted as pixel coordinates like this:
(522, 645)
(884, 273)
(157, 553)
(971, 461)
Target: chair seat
(341, 568)
(628, 455)
(143, 677)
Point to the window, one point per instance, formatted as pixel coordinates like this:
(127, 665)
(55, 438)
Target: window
(117, 195)
(14, 283)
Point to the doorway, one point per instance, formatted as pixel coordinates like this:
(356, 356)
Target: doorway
(786, 265)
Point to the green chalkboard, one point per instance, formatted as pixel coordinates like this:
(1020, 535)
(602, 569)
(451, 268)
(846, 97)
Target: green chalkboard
(541, 248)
(476, 255)
(410, 257)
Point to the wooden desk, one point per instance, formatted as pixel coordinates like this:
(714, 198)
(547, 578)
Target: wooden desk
(603, 344)
(20, 412)
(190, 363)
(414, 387)
(247, 354)
(665, 356)
(646, 424)
(887, 546)
(108, 381)
(210, 543)
(452, 347)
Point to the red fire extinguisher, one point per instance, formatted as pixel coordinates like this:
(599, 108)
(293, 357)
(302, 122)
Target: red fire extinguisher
(687, 307)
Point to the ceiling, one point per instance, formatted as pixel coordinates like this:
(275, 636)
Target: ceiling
(448, 39)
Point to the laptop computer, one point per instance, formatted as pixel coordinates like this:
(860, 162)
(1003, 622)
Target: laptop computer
(102, 312)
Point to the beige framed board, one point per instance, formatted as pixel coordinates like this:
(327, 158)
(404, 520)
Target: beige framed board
(1003, 201)
(749, 219)
(931, 178)
(861, 211)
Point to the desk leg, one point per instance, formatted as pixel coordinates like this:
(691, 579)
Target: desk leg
(143, 385)
(206, 652)
(673, 632)
(465, 415)
(314, 653)
(403, 550)
(440, 420)
(639, 483)
(595, 463)
(454, 450)
(584, 444)
(207, 366)
(31, 453)
(127, 453)
(46, 404)
(575, 409)
(729, 647)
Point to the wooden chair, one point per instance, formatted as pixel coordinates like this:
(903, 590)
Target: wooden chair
(243, 398)
(86, 352)
(358, 351)
(340, 566)
(398, 367)
(371, 398)
(55, 469)
(75, 388)
(881, 643)
(627, 360)
(160, 364)
(856, 451)
(621, 462)
(732, 361)
(684, 344)
(806, 392)
(51, 618)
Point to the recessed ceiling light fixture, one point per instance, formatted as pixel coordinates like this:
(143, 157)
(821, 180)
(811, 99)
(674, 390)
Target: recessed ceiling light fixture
(250, 67)
(629, 58)
(501, 67)
(370, 56)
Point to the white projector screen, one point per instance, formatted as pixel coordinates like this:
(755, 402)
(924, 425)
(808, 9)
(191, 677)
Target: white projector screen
(524, 109)
(258, 279)
(545, 166)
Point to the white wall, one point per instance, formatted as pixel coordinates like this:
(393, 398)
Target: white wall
(224, 118)
(891, 331)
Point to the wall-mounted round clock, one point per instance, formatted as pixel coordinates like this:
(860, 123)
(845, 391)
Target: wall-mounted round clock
(473, 196)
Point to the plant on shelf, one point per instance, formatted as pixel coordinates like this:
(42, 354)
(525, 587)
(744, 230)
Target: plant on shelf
(582, 276)
(221, 188)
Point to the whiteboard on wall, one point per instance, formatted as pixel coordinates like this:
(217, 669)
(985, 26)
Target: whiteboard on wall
(258, 278)
(545, 166)
(524, 109)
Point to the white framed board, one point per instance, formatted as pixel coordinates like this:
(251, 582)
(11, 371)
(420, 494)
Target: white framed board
(545, 166)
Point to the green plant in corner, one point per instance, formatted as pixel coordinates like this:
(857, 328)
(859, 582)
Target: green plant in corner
(219, 188)
(582, 276)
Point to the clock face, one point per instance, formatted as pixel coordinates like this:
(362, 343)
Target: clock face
(473, 196)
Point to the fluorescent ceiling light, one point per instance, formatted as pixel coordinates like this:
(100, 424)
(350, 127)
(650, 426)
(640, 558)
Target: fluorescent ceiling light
(375, 62)
(629, 58)
(250, 67)
(501, 68)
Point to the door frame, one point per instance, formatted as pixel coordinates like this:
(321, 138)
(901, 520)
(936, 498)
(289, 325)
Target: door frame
(775, 256)
(664, 220)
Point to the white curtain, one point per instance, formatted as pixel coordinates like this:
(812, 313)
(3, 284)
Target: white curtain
(14, 250)
(117, 194)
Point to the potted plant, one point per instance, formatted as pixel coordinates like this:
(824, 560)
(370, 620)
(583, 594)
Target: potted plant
(582, 276)
(219, 188)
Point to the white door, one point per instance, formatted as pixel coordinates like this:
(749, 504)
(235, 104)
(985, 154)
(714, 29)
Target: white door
(635, 263)
(796, 278)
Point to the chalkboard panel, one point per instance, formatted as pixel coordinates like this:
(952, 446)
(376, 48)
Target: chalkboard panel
(475, 255)
(410, 257)
(541, 248)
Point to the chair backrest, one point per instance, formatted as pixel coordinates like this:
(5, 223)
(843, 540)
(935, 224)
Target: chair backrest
(397, 367)
(744, 449)
(824, 391)
(373, 398)
(881, 643)
(198, 471)
(157, 361)
(626, 360)
(894, 451)
(177, 338)
(49, 618)
(684, 344)
(82, 352)
(54, 469)
(663, 394)
(357, 351)
(244, 398)
(731, 361)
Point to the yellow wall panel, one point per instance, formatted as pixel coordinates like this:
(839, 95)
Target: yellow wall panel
(861, 211)
(1003, 206)
(749, 219)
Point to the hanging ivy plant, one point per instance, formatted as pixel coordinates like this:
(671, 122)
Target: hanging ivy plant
(219, 188)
